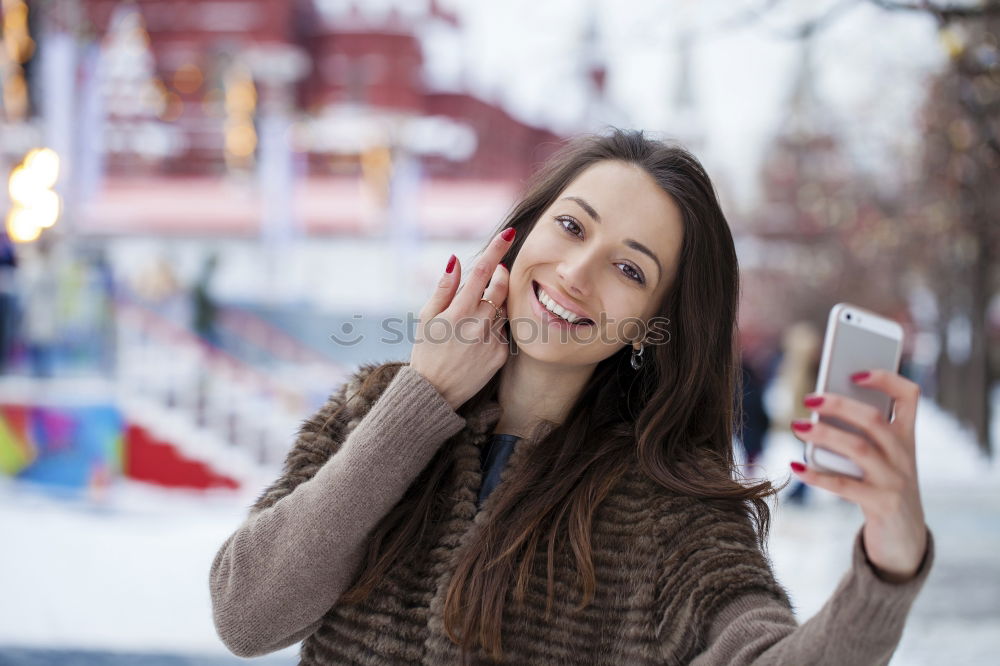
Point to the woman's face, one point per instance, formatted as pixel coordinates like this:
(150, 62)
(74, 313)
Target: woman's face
(607, 249)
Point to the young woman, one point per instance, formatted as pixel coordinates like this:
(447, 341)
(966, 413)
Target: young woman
(551, 479)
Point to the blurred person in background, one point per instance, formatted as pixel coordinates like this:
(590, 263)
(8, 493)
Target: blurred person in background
(614, 478)
(106, 294)
(8, 298)
(205, 309)
(158, 287)
(758, 355)
(39, 287)
(756, 422)
(796, 376)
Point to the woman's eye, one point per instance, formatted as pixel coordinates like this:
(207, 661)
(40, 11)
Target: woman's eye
(635, 275)
(560, 220)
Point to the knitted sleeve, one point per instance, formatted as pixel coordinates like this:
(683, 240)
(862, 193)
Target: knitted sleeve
(861, 623)
(285, 566)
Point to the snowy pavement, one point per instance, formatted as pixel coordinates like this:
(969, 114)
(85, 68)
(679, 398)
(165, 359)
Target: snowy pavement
(124, 579)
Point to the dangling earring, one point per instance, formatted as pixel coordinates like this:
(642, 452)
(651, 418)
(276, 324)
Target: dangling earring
(637, 357)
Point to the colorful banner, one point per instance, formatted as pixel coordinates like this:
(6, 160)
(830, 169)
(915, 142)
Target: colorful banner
(82, 448)
(66, 446)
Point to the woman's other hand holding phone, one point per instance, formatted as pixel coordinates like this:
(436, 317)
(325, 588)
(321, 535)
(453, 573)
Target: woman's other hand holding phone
(894, 533)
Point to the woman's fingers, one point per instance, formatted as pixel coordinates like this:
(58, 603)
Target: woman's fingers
(878, 501)
(905, 394)
(860, 492)
(884, 453)
(496, 291)
(468, 297)
(444, 292)
(867, 419)
(456, 349)
(862, 452)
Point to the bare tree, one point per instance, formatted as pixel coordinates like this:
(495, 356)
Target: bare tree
(950, 236)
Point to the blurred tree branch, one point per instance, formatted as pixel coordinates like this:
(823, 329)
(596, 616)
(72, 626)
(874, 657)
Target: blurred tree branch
(943, 13)
(801, 31)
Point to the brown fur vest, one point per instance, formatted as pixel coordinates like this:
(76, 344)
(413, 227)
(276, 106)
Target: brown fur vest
(665, 564)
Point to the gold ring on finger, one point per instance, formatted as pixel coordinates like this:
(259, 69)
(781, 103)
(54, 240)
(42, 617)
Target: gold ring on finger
(497, 311)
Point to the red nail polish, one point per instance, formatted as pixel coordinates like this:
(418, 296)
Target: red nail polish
(505, 266)
(508, 234)
(451, 264)
(798, 467)
(802, 426)
(858, 376)
(813, 401)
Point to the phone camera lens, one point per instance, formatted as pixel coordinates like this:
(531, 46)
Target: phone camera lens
(848, 316)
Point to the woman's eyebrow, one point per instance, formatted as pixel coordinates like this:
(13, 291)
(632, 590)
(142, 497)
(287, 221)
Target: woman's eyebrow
(586, 206)
(634, 244)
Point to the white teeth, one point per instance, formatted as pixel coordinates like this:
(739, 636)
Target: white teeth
(554, 308)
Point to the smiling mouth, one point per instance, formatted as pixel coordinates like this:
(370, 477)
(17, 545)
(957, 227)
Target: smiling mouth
(581, 321)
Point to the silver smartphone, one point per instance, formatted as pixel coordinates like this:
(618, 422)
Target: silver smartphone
(855, 340)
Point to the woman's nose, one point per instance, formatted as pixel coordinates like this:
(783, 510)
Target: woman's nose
(575, 275)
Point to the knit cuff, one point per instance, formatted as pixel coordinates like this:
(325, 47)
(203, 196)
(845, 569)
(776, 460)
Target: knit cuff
(875, 602)
(861, 561)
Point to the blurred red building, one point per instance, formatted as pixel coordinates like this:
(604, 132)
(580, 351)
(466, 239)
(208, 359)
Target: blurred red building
(349, 76)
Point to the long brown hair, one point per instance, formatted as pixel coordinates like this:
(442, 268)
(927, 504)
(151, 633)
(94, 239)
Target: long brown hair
(674, 418)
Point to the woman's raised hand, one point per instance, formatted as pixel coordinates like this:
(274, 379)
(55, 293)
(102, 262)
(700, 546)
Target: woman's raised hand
(459, 344)
(894, 533)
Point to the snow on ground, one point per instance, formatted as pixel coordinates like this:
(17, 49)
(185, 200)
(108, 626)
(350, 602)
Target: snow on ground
(129, 575)
(129, 572)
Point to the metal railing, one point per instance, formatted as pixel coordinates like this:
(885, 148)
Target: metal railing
(165, 368)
